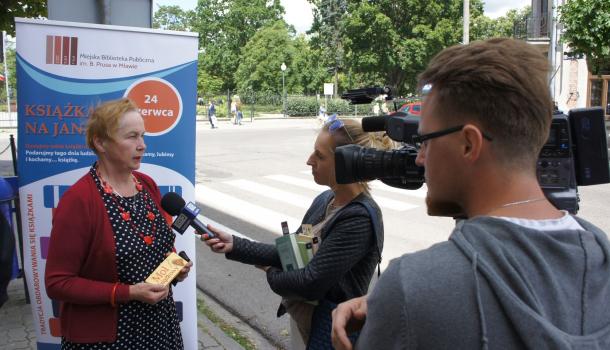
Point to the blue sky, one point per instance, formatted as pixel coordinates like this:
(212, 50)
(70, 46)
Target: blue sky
(298, 12)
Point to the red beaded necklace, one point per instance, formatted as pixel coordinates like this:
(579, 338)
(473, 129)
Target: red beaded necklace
(125, 214)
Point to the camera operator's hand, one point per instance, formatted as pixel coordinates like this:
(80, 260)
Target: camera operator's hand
(348, 317)
(222, 243)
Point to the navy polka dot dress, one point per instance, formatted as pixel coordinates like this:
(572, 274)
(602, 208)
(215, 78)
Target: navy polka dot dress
(140, 325)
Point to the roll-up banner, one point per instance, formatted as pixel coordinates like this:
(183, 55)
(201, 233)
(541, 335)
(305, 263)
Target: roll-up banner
(63, 70)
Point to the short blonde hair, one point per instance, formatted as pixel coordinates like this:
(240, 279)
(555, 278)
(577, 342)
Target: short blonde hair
(104, 120)
(352, 133)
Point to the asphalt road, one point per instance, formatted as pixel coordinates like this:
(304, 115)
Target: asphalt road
(252, 177)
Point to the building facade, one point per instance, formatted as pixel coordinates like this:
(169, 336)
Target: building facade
(570, 82)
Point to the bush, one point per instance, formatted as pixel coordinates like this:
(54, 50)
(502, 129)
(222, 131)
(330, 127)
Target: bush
(343, 108)
(261, 98)
(221, 111)
(301, 106)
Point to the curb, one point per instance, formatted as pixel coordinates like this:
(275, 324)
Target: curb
(208, 329)
(17, 329)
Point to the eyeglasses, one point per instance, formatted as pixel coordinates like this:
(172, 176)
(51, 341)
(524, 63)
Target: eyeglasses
(420, 140)
(333, 123)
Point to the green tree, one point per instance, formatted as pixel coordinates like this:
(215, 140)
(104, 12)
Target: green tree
(329, 16)
(261, 58)
(263, 55)
(307, 71)
(483, 27)
(20, 8)
(12, 79)
(207, 84)
(389, 42)
(225, 27)
(173, 18)
(587, 31)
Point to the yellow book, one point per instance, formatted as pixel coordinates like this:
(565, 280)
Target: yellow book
(168, 270)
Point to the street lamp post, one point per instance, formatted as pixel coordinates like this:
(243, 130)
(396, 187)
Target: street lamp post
(283, 68)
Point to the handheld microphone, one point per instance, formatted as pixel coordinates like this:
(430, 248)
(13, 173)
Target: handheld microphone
(186, 215)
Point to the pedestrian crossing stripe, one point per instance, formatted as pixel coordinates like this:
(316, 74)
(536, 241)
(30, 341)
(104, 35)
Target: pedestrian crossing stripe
(269, 219)
(265, 218)
(291, 180)
(378, 185)
(384, 202)
(272, 193)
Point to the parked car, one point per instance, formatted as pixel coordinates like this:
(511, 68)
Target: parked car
(413, 108)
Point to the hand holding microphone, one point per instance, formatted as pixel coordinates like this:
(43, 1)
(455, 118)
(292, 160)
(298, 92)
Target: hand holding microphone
(222, 242)
(219, 241)
(186, 214)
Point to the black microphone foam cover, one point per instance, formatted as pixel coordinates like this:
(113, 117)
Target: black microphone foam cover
(374, 123)
(172, 203)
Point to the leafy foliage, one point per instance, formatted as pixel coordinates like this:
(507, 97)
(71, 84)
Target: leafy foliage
(389, 42)
(20, 8)
(173, 18)
(12, 78)
(261, 58)
(301, 106)
(342, 107)
(587, 31)
(483, 27)
(327, 39)
(352, 42)
(207, 83)
(307, 72)
(225, 27)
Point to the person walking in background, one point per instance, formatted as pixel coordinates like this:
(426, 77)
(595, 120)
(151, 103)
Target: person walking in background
(240, 115)
(109, 234)
(212, 114)
(234, 110)
(322, 116)
(349, 223)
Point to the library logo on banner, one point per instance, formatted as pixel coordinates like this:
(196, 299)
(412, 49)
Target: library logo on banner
(62, 50)
(158, 101)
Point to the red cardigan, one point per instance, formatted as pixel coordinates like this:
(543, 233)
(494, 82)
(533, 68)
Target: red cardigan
(81, 265)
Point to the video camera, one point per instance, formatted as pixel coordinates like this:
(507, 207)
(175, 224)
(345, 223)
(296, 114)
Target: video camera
(575, 154)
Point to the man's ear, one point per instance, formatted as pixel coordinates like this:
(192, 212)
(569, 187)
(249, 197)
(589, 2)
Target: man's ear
(472, 142)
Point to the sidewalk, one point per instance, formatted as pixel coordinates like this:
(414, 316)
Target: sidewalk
(17, 325)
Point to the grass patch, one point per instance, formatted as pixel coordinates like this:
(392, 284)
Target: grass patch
(229, 330)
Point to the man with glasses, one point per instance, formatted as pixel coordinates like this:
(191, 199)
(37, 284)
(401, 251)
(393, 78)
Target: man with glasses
(516, 273)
